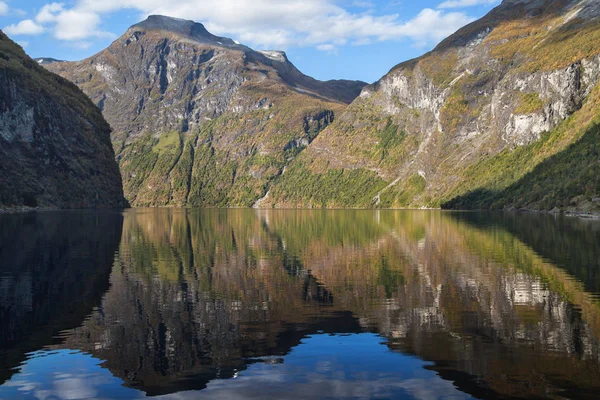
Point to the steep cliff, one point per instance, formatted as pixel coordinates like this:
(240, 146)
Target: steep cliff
(199, 119)
(55, 147)
(474, 117)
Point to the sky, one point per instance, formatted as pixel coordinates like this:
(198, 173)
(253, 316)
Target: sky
(327, 39)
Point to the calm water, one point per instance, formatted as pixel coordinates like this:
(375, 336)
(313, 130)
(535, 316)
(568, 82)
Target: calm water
(227, 304)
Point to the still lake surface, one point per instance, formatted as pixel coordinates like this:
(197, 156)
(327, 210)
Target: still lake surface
(260, 304)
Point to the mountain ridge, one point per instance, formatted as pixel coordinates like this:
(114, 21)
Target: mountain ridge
(455, 119)
(473, 116)
(278, 59)
(182, 101)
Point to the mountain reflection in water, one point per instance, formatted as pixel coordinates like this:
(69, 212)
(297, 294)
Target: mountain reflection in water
(289, 303)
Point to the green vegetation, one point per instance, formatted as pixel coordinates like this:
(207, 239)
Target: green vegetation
(565, 180)
(540, 48)
(389, 137)
(168, 142)
(456, 110)
(554, 171)
(413, 187)
(440, 66)
(181, 175)
(529, 103)
(228, 161)
(137, 161)
(333, 188)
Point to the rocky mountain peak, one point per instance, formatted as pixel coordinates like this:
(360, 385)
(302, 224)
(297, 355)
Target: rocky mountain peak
(185, 28)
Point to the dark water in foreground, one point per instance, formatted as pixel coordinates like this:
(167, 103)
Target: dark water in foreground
(227, 304)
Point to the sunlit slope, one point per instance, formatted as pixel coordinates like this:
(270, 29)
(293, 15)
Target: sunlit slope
(478, 113)
(199, 120)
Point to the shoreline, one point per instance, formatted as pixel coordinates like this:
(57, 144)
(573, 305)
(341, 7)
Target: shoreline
(23, 209)
(586, 215)
(583, 215)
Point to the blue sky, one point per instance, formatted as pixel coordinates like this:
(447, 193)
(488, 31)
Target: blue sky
(327, 39)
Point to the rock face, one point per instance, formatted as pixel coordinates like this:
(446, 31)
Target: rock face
(201, 120)
(55, 146)
(485, 107)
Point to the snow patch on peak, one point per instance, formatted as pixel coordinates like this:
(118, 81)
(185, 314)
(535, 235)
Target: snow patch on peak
(46, 60)
(275, 55)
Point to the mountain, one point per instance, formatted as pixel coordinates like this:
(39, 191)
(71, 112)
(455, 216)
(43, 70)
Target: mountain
(501, 114)
(199, 119)
(55, 149)
(47, 60)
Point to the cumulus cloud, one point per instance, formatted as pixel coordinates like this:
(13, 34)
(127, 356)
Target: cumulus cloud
(262, 23)
(466, 3)
(78, 25)
(3, 8)
(73, 24)
(431, 25)
(48, 12)
(25, 27)
(309, 22)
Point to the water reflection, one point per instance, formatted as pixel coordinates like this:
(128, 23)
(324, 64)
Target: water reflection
(490, 305)
(54, 269)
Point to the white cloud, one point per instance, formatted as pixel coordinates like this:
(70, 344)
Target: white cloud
(328, 48)
(25, 27)
(49, 12)
(72, 24)
(261, 23)
(78, 25)
(23, 43)
(433, 25)
(3, 8)
(465, 3)
(309, 22)
(6, 10)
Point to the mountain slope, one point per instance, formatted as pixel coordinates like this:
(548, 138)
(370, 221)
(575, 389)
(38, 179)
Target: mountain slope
(199, 119)
(476, 114)
(55, 146)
